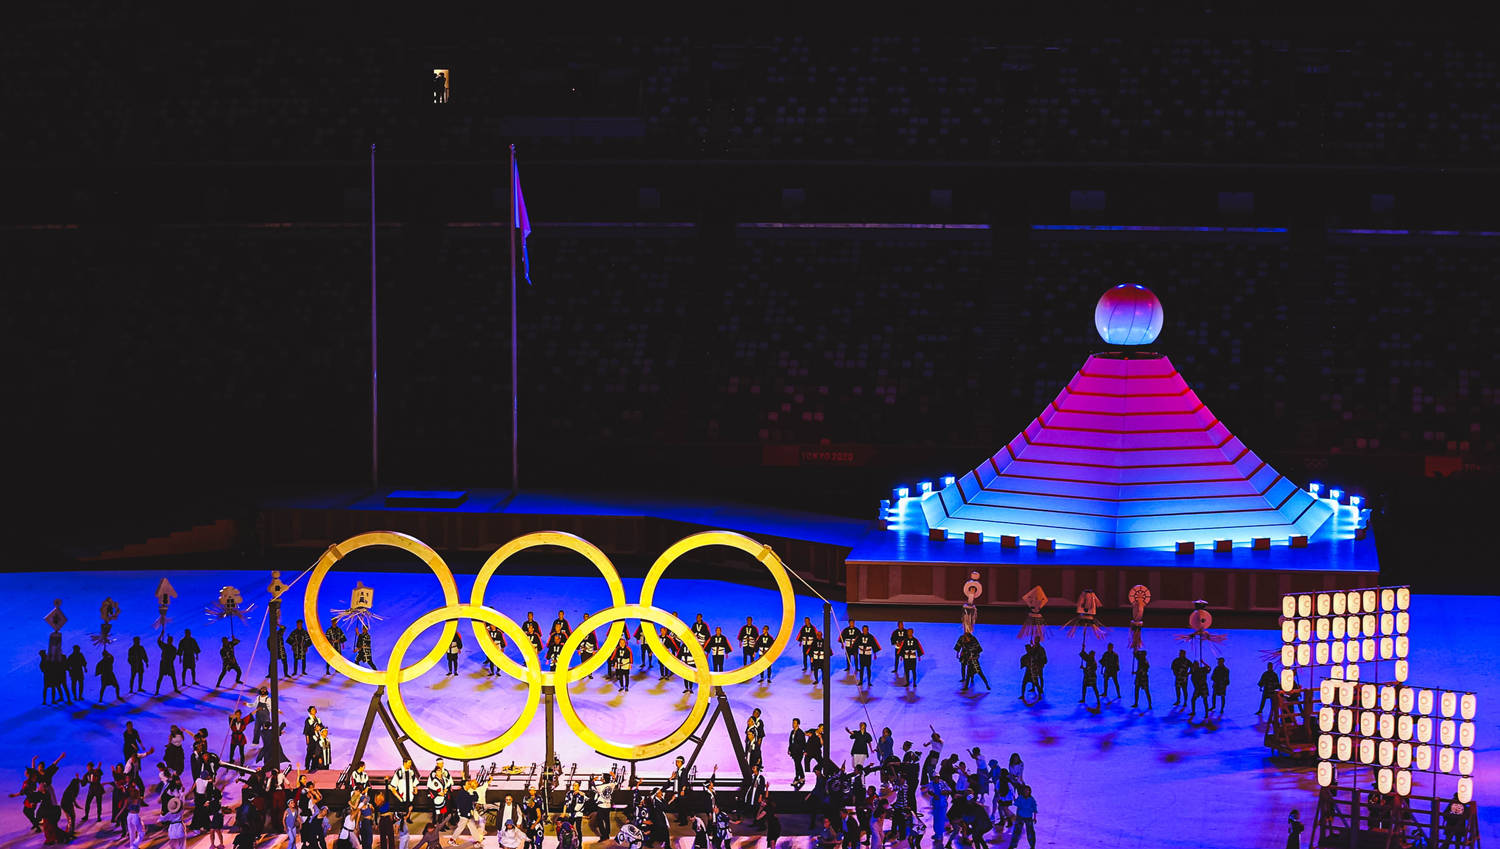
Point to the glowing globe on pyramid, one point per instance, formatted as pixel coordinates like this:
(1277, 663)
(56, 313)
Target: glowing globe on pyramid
(1128, 314)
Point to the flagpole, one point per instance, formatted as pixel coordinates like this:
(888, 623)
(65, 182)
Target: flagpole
(515, 416)
(374, 343)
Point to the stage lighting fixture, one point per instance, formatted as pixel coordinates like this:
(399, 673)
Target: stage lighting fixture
(1356, 500)
(1304, 655)
(1325, 774)
(1424, 730)
(1367, 751)
(1466, 734)
(1304, 605)
(1403, 783)
(1336, 494)
(1465, 762)
(1314, 487)
(1304, 630)
(1449, 703)
(1325, 601)
(1447, 732)
(949, 480)
(903, 492)
(1424, 758)
(1466, 790)
(1403, 727)
(924, 486)
(1424, 702)
(1445, 760)
(1326, 718)
(1340, 604)
(1385, 780)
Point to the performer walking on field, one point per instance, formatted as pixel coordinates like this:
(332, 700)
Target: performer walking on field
(763, 644)
(819, 657)
(300, 641)
(1181, 669)
(187, 652)
(227, 660)
(910, 652)
(868, 648)
(968, 650)
(336, 638)
(898, 636)
(1268, 684)
(621, 665)
(718, 649)
(166, 666)
(1109, 668)
(1090, 667)
(1142, 678)
(138, 661)
(805, 637)
(849, 640)
(748, 635)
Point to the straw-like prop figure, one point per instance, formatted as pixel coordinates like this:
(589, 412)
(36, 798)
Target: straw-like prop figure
(1086, 617)
(1200, 620)
(56, 619)
(359, 611)
(1035, 627)
(972, 590)
(231, 605)
(1139, 597)
(109, 611)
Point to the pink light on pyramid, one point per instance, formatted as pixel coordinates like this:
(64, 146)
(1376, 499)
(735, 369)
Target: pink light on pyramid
(1126, 456)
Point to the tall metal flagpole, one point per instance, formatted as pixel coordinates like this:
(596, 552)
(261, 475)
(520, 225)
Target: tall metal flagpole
(515, 415)
(374, 343)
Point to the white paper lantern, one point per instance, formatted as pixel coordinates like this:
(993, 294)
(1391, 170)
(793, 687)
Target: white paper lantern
(1387, 623)
(1327, 691)
(1367, 723)
(1403, 598)
(1369, 649)
(1288, 606)
(1403, 782)
(1387, 648)
(1403, 646)
(1465, 762)
(1367, 751)
(1336, 627)
(1326, 718)
(1304, 629)
(1304, 654)
(1325, 774)
(1322, 628)
(1351, 626)
(1369, 601)
(1304, 605)
(1369, 694)
(1288, 680)
(1352, 599)
(1288, 630)
(1447, 732)
(1466, 734)
(1346, 721)
(1325, 601)
(1347, 693)
(1385, 780)
(1403, 755)
(1403, 727)
(1424, 730)
(1289, 654)
(1351, 671)
(1401, 670)
(1406, 699)
(1387, 697)
(1336, 652)
(1466, 790)
(1449, 703)
(1325, 746)
(1468, 705)
(1387, 599)
(1424, 702)
(1445, 760)
(1388, 725)
(1424, 758)
(1320, 654)
(1345, 748)
(1403, 622)
(1387, 753)
(1340, 603)
(1336, 672)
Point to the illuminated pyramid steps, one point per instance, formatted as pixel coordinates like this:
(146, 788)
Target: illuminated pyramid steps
(1126, 456)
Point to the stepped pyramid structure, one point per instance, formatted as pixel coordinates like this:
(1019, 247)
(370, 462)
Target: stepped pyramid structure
(1126, 456)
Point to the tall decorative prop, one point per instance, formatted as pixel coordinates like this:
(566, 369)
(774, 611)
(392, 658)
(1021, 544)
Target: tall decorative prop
(164, 596)
(1200, 620)
(109, 611)
(1139, 597)
(972, 591)
(230, 605)
(56, 619)
(1035, 627)
(360, 611)
(1086, 617)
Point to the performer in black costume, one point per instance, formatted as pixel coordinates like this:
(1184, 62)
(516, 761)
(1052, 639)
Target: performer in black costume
(868, 647)
(1109, 669)
(819, 656)
(898, 636)
(805, 637)
(748, 634)
(364, 652)
(763, 644)
(701, 630)
(138, 661)
(1220, 677)
(1142, 678)
(622, 664)
(166, 666)
(105, 670)
(1090, 667)
(849, 640)
(718, 648)
(336, 638)
(968, 650)
(227, 660)
(455, 650)
(910, 652)
(1181, 669)
(1200, 688)
(1268, 685)
(77, 666)
(187, 652)
(796, 747)
(300, 641)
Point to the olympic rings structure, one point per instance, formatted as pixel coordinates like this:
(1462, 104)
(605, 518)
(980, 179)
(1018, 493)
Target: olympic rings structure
(530, 670)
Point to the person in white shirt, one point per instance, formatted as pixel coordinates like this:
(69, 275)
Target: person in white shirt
(512, 837)
(403, 786)
(439, 782)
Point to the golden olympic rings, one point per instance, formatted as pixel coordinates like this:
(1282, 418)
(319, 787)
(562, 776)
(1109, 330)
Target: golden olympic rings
(700, 674)
(462, 751)
(394, 674)
(562, 540)
(314, 621)
(760, 552)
